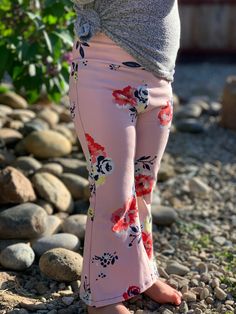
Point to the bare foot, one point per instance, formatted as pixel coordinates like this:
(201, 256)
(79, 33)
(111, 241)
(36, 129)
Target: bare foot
(117, 308)
(163, 293)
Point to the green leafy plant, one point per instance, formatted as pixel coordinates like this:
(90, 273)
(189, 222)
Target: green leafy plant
(36, 38)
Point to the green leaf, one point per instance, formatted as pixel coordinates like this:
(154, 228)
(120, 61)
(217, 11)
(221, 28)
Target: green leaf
(48, 42)
(33, 16)
(17, 71)
(64, 84)
(28, 36)
(65, 37)
(50, 19)
(33, 95)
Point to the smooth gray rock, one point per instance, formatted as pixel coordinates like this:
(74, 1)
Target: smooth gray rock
(163, 215)
(18, 311)
(54, 225)
(177, 269)
(63, 129)
(53, 190)
(14, 124)
(6, 157)
(10, 136)
(81, 207)
(18, 256)
(61, 264)
(13, 100)
(52, 167)
(22, 114)
(75, 224)
(5, 110)
(20, 149)
(189, 125)
(49, 115)
(47, 143)
(23, 221)
(77, 185)
(34, 125)
(48, 207)
(7, 242)
(27, 164)
(191, 110)
(73, 165)
(59, 240)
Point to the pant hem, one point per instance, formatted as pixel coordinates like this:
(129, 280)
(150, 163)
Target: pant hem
(119, 298)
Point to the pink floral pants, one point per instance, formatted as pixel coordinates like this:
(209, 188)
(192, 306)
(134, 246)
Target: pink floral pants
(122, 115)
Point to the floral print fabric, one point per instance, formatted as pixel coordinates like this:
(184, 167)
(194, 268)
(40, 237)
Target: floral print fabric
(122, 116)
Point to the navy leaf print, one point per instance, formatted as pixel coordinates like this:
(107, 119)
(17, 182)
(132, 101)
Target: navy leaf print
(81, 51)
(145, 161)
(144, 157)
(132, 64)
(113, 259)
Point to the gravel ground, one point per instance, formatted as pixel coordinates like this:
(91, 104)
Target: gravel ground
(202, 78)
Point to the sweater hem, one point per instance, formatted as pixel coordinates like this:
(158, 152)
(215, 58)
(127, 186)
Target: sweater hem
(167, 75)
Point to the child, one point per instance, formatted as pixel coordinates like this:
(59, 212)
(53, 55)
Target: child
(121, 103)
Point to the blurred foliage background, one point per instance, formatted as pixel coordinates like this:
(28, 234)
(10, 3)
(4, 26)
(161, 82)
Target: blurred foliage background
(35, 42)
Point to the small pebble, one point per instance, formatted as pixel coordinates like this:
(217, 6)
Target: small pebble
(220, 294)
(209, 300)
(205, 277)
(202, 267)
(189, 296)
(183, 308)
(67, 300)
(204, 294)
(177, 268)
(215, 282)
(166, 311)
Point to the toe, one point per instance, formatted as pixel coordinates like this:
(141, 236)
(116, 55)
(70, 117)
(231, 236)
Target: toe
(177, 299)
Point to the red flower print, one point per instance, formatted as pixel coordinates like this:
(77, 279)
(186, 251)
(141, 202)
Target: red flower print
(143, 184)
(165, 114)
(125, 96)
(132, 291)
(122, 218)
(94, 148)
(120, 222)
(147, 241)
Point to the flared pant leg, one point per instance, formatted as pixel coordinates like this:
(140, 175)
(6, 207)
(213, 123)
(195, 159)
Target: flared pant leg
(122, 119)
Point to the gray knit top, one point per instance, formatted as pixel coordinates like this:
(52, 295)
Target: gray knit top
(149, 30)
